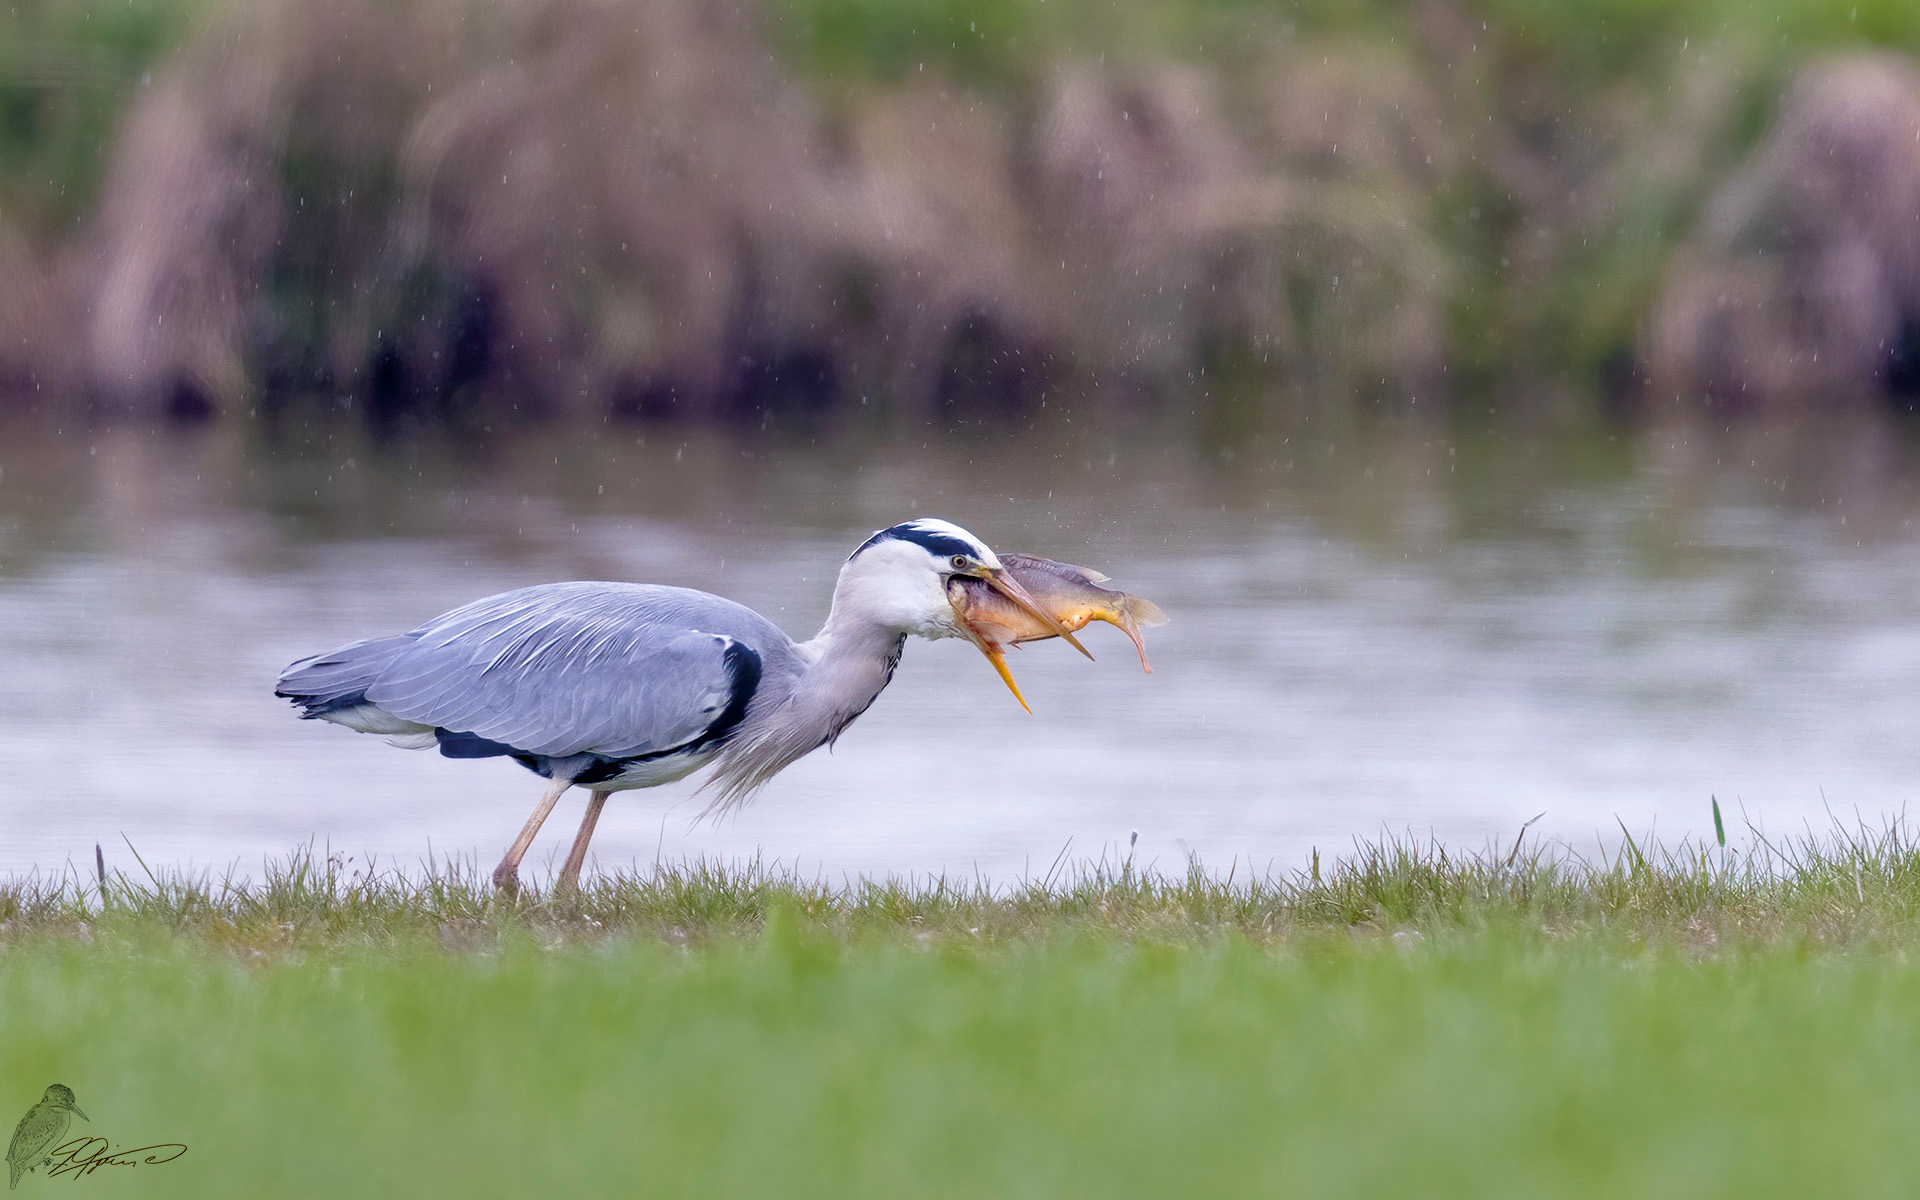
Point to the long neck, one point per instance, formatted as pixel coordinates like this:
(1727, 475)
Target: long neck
(851, 662)
(848, 664)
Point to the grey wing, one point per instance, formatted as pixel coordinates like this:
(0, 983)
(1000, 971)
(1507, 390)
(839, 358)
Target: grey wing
(570, 669)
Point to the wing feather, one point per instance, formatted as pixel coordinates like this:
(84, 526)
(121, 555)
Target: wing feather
(614, 669)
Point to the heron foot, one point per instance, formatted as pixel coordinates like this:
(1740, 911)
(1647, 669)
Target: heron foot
(506, 879)
(506, 875)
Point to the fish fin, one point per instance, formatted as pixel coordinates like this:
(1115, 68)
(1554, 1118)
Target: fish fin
(1133, 613)
(1033, 562)
(1127, 625)
(1144, 611)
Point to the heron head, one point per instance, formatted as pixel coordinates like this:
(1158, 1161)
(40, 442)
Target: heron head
(899, 578)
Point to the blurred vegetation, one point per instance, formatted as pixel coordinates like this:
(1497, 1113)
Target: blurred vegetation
(1584, 43)
(1362, 201)
(1555, 63)
(67, 71)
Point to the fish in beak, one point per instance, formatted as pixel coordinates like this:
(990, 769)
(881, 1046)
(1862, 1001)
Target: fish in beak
(1003, 581)
(1011, 593)
(1033, 599)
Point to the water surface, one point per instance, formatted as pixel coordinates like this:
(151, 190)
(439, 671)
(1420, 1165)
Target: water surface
(1394, 626)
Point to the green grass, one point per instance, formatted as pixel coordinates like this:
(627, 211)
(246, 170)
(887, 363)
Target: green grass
(1092, 1065)
(1405, 1021)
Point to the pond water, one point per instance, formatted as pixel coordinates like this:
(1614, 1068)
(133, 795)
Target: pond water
(1386, 626)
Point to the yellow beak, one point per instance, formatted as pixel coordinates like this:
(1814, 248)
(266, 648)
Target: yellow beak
(999, 662)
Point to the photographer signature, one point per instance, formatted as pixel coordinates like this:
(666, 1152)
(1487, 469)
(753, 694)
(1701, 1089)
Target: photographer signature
(85, 1155)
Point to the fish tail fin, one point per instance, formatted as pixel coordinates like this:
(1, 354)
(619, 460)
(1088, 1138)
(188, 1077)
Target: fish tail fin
(1143, 611)
(1133, 612)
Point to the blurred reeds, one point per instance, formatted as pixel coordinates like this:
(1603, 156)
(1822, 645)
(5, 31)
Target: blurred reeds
(730, 210)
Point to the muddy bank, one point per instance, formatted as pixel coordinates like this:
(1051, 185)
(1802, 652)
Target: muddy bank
(651, 211)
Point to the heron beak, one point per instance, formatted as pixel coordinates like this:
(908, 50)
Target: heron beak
(1010, 587)
(999, 662)
(985, 645)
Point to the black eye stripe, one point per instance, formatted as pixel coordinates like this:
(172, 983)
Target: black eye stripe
(940, 545)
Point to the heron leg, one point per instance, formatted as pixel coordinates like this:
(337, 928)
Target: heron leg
(506, 876)
(570, 874)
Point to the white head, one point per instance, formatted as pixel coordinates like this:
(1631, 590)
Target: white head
(897, 578)
(895, 583)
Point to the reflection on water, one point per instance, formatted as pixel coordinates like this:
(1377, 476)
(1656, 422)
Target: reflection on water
(1395, 626)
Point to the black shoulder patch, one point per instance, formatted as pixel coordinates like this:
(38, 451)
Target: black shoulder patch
(940, 545)
(743, 674)
(743, 677)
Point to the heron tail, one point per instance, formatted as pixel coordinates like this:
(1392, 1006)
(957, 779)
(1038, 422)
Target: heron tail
(338, 680)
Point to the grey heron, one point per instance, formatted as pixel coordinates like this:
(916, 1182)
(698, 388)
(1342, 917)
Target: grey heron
(611, 686)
